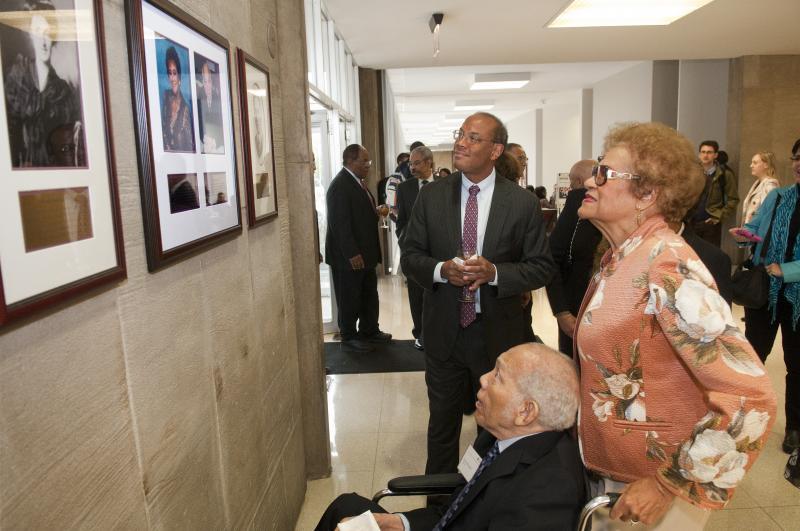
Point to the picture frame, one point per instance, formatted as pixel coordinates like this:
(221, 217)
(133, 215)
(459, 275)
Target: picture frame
(183, 112)
(59, 201)
(255, 102)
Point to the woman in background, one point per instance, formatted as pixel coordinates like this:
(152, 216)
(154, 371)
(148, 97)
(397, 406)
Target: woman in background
(176, 115)
(762, 167)
(777, 223)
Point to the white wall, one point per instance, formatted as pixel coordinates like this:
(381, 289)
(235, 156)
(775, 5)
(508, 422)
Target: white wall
(561, 142)
(623, 97)
(703, 100)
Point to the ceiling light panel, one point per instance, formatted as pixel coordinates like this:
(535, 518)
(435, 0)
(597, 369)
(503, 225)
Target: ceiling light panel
(499, 81)
(473, 105)
(597, 13)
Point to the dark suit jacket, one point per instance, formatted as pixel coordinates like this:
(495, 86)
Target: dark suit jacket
(407, 193)
(536, 483)
(514, 242)
(579, 239)
(352, 224)
(717, 262)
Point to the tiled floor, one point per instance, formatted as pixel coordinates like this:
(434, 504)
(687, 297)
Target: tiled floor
(378, 422)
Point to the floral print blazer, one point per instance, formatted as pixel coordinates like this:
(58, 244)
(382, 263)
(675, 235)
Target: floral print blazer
(670, 386)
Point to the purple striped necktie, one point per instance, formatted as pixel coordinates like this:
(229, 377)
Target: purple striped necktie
(487, 460)
(470, 247)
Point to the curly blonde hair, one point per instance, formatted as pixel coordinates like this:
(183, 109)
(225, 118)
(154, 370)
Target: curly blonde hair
(666, 162)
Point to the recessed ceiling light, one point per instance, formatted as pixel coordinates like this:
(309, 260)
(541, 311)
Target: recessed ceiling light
(506, 80)
(596, 13)
(474, 105)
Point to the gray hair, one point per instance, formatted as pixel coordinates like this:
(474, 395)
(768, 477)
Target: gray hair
(423, 151)
(550, 379)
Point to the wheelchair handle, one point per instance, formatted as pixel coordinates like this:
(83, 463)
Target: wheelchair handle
(606, 500)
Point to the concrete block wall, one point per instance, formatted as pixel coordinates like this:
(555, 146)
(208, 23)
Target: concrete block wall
(193, 397)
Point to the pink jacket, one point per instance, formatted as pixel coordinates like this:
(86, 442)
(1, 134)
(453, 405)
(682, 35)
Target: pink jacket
(670, 386)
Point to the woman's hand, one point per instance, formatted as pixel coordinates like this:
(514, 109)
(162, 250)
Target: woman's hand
(642, 501)
(736, 236)
(774, 270)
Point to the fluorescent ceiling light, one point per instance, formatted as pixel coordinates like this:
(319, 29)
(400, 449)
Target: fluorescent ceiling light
(596, 13)
(474, 105)
(506, 80)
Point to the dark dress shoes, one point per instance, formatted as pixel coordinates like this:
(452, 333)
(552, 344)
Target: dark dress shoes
(791, 441)
(356, 345)
(377, 337)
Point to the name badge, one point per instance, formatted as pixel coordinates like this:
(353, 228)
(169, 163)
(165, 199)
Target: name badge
(469, 463)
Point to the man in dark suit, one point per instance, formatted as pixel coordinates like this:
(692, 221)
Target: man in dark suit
(353, 251)
(422, 168)
(530, 476)
(472, 311)
(573, 244)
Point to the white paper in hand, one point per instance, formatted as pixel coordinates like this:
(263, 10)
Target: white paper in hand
(469, 463)
(363, 522)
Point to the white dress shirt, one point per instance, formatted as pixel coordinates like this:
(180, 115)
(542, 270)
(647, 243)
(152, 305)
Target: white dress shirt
(484, 199)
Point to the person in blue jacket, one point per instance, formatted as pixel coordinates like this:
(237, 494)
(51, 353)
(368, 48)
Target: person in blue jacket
(777, 223)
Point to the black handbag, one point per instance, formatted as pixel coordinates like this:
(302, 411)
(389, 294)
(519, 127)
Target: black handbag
(750, 281)
(750, 285)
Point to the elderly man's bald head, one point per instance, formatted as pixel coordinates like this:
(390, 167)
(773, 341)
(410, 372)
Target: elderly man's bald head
(580, 173)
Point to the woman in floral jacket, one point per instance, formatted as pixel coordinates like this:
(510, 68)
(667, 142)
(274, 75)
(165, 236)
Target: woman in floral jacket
(675, 403)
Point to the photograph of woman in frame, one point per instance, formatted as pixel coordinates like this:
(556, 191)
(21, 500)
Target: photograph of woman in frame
(174, 83)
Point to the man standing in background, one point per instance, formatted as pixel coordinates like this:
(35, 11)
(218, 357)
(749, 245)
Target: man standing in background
(719, 198)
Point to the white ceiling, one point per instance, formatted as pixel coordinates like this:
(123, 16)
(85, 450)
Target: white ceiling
(510, 36)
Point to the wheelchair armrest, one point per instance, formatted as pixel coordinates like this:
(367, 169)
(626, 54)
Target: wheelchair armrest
(426, 485)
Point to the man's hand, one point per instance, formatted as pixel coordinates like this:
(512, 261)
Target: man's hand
(386, 521)
(357, 262)
(642, 501)
(526, 298)
(453, 273)
(566, 322)
(712, 221)
(478, 270)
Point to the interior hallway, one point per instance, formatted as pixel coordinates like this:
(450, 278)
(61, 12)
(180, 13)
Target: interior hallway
(378, 422)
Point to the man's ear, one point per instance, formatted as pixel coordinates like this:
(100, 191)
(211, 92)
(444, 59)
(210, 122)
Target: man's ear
(497, 150)
(527, 413)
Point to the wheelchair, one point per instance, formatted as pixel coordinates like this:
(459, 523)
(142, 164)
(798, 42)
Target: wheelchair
(446, 484)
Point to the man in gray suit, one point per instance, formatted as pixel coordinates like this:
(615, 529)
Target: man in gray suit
(472, 308)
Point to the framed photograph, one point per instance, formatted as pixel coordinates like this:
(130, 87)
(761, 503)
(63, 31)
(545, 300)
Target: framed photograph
(259, 152)
(59, 207)
(181, 83)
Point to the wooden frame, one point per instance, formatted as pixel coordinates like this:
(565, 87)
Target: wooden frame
(59, 203)
(178, 68)
(259, 152)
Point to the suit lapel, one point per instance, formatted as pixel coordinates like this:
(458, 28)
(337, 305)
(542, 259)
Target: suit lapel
(453, 211)
(497, 216)
(527, 451)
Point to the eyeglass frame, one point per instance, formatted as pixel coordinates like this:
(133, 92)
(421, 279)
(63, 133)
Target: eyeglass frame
(601, 177)
(458, 134)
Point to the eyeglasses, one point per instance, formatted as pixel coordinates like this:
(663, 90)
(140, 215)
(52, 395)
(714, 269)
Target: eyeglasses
(602, 173)
(458, 134)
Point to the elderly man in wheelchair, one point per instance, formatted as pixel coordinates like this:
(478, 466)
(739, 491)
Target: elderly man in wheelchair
(523, 471)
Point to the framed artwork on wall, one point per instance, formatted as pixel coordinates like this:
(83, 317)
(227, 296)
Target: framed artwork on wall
(259, 148)
(181, 84)
(59, 206)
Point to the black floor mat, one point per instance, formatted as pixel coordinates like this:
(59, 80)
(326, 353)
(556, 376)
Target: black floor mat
(397, 356)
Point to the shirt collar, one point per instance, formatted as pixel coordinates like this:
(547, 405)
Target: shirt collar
(505, 443)
(484, 185)
(351, 173)
(712, 170)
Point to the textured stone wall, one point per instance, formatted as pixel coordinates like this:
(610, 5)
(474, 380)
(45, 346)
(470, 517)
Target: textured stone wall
(190, 398)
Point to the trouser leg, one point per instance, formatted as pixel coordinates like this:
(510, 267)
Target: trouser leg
(368, 307)
(415, 296)
(759, 331)
(344, 506)
(346, 286)
(564, 343)
(791, 355)
(446, 391)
